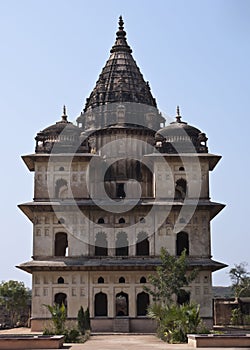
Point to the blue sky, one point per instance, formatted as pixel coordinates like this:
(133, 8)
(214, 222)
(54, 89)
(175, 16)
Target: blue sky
(194, 53)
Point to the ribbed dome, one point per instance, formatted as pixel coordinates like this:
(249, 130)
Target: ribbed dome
(179, 136)
(120, 84)
(61, 136)
(120, 79)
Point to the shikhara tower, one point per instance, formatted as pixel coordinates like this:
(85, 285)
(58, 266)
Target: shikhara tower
(109, 193)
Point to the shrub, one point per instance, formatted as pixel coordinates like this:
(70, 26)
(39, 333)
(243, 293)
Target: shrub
(176, 321)
(72, 335)
(81, 321)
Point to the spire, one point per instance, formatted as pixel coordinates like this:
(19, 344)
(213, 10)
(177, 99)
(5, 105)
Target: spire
(120, 79)
(121, 41)
(178, 116)
(64, 115)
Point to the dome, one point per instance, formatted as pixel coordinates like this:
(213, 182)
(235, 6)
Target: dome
(180, 137)
(63, 136)
(121, 92)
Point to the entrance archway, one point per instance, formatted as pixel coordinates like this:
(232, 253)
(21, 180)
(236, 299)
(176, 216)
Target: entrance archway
(121, 304)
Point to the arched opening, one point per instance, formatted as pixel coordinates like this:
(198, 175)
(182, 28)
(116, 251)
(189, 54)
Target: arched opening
(61, 168)
(180, 189)
(101, 304)
(182, 242)
(61, 221)
(183, 297)
(121, 280)
(61, 189)
(60, 280)
(181, 168)
(100, 221)
(121, 304)
(61, 244)
(100, 280)
(142, 244)
(61, 298)
(142, 303)
(143, 280)
(120, 192)
(101, 244)
(121, 221)
(121, 245)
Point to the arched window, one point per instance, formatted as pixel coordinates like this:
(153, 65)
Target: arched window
(142, 303)
(143, 280)
(61, 189)
(121, 304)
(61, 168)
(142, 244)
(60, 280)
(101, 304)
(101, 244)
(180, 189)
(61, 244)
(121, 221)
(100, 221)
(121, 245)
(182, 242)
(61, 298)
(181, 168)
(183, 297)
(121, 280)
(100, 280)
(61, 221)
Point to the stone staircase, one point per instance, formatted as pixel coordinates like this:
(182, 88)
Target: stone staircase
(121, 325)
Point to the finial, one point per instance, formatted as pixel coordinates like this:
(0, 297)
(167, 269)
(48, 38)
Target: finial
(121, 42)
(121, 23)
(178, 116)
(64, 115)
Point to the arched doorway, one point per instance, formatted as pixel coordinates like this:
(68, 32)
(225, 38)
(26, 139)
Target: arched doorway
(101, 244)
(121, 304)
(101, 304)
(183, 297)
(121, 245)
(142, 303)
(180, 189)
(61, 298)
(142, 244)
(182, 242)
(61, 243)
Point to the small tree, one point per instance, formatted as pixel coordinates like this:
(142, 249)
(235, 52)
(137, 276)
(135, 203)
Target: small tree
(240, 278)
(87, 320)
(174, 321)
(170, 278)
(15, 297)
(81, 321)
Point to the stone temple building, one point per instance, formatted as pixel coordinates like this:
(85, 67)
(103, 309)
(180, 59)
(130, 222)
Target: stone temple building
(109, 192)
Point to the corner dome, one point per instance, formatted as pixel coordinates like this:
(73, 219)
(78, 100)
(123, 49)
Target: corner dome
(63, 136)
(180, 137)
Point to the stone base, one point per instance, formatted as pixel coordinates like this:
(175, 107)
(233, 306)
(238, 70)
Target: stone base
(215, 341)
(20, 342)
(106, 324)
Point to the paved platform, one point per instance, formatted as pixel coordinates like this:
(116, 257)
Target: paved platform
(119, 342)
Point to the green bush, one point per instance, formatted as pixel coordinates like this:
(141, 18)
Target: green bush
(71, 336)
(176, 321)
